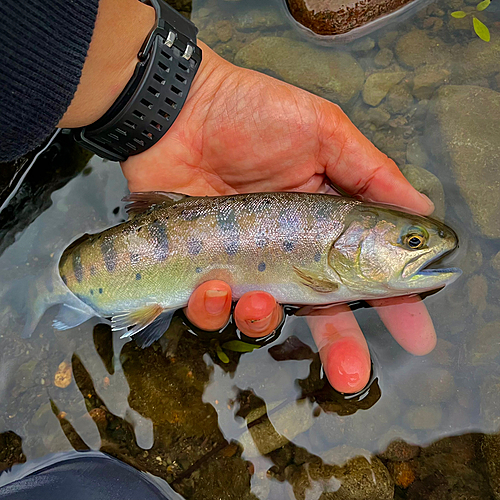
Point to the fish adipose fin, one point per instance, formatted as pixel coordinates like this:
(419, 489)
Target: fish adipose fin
(318, 283)
(150, 321)
(141, 202)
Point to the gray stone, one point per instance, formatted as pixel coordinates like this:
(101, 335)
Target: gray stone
(387, 39)
(378, 84)
(432, 385)
(417, 48)
(424, 417)
(483, 348)
(399, 99)
(364, 44)
(477, 288)
(495, 262)
(490, 402)
(479, 60)
(427, 183)
(333, 75)
(415, 153)
(383, 58)
(259, 19)
(462, 127)
(428, 78)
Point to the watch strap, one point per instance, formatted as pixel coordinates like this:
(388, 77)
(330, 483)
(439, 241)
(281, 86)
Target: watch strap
(156, 93)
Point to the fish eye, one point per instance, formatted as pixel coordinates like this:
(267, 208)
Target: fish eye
(414, 241)
(415, 238)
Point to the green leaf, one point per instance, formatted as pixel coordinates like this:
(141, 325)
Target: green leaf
(222, 355)
(482, 5)
(481, 30)
(239, 346)
(458, 14)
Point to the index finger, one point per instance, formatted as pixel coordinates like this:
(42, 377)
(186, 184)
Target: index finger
(354, 164)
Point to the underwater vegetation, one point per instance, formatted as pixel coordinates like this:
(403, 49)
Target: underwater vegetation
(480, 28)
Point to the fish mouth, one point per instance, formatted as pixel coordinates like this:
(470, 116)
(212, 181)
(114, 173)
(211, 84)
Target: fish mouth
(426, 276)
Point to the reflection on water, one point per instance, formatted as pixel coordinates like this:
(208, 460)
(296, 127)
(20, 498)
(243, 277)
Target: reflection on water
(266, 425)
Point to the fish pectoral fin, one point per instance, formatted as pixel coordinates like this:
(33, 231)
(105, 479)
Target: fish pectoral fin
(317, 282)
(135, 321)
(70, 317)
(155, 330)
(141, 202)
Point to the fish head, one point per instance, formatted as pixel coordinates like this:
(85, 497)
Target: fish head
(387, 252)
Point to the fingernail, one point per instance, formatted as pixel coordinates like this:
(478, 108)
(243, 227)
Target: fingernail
(215, 301)
(259, 325)
(428, 201)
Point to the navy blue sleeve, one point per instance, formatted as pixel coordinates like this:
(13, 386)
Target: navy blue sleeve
(43, 45)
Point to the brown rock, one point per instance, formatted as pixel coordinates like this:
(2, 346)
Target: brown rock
(332, 17)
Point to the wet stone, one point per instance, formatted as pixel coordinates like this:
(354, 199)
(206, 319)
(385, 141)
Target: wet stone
(429, 385)
(424, 417)
(333, 75)
(416, 155)
(483, 348)
(427, 183)
(364, 44)
(400, 451)
(490, 402)
(428, 78)
(399, 99)
(469, 143)
(331, 17)
(383, 58)
(378, 84)
(417, 48)
(490, 448)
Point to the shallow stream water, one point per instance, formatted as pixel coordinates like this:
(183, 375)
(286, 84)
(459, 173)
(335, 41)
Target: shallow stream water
(426, 91)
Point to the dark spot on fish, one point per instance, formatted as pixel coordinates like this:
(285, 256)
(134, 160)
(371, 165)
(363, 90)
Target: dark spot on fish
(317, 257)
(191, 213)
(134, 258)
(321, 214)
(65, 280)
(116, 210)
(194, 246)
(138, 276)
(289, 226)
(159, 234)
(226, 220)
(93, 271)
(261, 240)
(100, 290)
(77, 267)
(262, 267)
(288, 245)
(199, 269)
(109, 253)
(91, 292)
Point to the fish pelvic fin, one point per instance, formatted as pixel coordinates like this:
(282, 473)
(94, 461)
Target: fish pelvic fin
(138, 203)
(72, 315)
(317, 282)
(148, 323)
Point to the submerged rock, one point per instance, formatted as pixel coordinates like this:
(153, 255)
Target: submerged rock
(333, 75)
(479, 60)
(462, 127)
(427, 183)
(377, 85)
(417, 48)
(428, 78)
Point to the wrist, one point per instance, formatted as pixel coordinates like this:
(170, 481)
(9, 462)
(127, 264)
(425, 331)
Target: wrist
(120, 30)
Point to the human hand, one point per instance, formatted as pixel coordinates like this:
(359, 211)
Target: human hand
(241, 131)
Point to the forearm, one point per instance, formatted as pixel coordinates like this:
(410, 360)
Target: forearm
(121, 28)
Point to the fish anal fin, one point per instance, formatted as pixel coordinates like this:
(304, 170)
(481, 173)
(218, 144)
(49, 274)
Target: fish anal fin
(139, 203)
(317, 282)
(155, 330)
(135, 321)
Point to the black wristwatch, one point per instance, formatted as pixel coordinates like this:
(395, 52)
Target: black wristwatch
(154, 96)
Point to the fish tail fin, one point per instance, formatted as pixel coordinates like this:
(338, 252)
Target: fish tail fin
(31, 297)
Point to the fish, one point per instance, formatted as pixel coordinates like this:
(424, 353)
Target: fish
(304, 249)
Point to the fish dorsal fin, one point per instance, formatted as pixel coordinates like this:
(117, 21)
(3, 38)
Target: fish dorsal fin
(132, 322)
(139, 203)
(318, 283)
